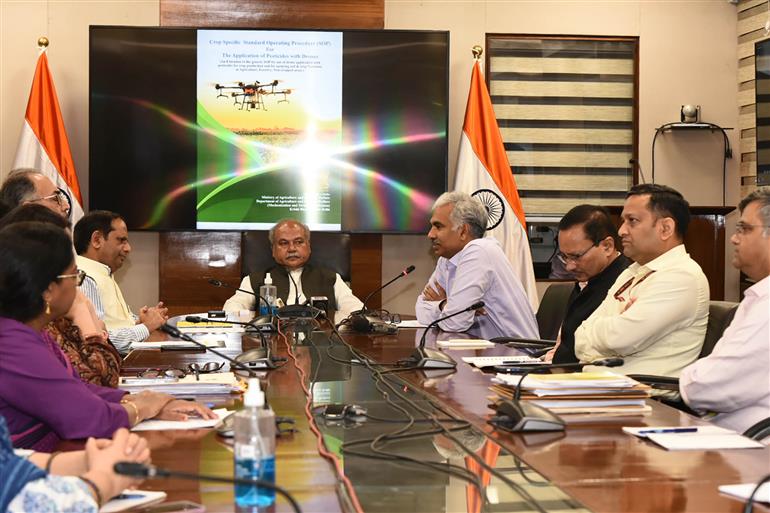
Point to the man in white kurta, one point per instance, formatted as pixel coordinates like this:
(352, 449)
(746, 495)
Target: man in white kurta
(734, 380)
(655, 314)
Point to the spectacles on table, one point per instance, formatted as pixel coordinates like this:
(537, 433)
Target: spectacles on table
(79, 275)
(204, 368)
(162, 373)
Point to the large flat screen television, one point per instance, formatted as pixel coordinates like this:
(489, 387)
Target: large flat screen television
(230, 129)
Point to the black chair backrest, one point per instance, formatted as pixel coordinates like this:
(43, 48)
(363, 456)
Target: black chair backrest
(721, 314)
(331, 250)
(552, 308)
(759, 431)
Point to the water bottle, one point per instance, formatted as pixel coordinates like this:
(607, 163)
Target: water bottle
(270, 293)
(254, 448)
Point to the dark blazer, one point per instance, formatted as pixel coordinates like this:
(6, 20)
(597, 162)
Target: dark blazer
(316, 281)
(582, 304)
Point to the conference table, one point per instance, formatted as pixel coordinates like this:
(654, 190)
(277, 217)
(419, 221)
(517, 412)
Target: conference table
(591, 466)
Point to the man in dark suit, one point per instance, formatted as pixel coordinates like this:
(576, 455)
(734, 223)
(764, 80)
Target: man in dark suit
(588, 248)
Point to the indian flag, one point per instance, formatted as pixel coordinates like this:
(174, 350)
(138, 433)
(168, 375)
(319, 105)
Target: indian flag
(43, 144)
(482, 165)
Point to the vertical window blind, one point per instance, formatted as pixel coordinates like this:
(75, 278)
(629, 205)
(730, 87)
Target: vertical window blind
(566, 108)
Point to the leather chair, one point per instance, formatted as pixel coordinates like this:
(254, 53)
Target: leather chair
(553, 306)
(721, 314)
(332, 250)
(759, 431)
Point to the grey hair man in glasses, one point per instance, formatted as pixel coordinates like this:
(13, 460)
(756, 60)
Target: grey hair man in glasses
(31, 186)
(733, 381)
(589, 249)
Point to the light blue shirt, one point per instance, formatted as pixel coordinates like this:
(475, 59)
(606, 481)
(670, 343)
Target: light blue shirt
(480, 272)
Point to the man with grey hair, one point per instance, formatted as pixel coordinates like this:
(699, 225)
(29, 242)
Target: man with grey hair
(294, 278)
(472, 268)
(733, 380)
(32, 186)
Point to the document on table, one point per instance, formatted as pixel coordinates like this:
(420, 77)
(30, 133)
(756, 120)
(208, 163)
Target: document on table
(491, 361)
(683, 438)
(743, 491)
(206, 340)
(190, 423)
(465, 343)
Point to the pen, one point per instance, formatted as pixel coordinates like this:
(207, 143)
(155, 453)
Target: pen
(667, 430)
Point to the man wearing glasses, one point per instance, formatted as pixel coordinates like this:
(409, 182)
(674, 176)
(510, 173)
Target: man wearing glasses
(733, 380)
(588, 248)
(31, 186)
(656, 312)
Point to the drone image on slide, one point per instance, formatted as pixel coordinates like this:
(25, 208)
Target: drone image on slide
(251, 96)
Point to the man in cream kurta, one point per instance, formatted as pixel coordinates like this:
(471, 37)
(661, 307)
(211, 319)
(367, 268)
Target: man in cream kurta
(101, 241)
(655, 314)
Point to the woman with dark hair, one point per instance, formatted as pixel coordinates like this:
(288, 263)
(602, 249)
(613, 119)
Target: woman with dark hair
(41, 397)
(79, 332)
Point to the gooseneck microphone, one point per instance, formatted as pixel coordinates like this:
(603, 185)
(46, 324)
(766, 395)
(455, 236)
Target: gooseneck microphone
(139, 470)
(516, 415)
(174, 332)
(363, 324)
(224, 285)
(425, 358)
(296, 289)
(260, 356)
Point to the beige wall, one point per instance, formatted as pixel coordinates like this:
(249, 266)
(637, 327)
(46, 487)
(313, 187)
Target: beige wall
(687, 55)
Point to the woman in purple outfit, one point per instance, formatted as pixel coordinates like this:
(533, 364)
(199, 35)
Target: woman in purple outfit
(41, 397)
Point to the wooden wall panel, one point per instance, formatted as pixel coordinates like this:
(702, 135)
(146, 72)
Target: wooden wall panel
(188, 260)
(185, 258)
(306, 14)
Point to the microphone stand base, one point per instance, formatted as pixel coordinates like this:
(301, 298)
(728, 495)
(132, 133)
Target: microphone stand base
(255, 359)
(426, 358)
(523, 415)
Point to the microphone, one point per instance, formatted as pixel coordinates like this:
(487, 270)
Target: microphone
(296, 289)
(425, 358)
(360, 322)
(516, 415)
(265, 326)
(139, 470)
(174, 332)
(259, 357)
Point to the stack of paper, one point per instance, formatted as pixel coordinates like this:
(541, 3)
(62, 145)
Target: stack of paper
(579, 393)
(490, 361)
(190, 423)
(203, 384)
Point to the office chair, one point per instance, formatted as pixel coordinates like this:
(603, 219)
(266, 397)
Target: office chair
(331, 250)
(721, 314)
(553, 306)
(759, 431)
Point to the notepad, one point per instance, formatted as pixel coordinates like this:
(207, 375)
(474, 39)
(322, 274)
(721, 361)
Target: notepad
(410, 323)
(705, 438)
(491, 361)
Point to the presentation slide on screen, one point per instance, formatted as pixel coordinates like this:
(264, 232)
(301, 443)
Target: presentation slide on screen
(269, 108)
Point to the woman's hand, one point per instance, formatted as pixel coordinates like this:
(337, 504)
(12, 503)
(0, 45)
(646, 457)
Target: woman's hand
(149, 403)
(101, 456)
(179, 409)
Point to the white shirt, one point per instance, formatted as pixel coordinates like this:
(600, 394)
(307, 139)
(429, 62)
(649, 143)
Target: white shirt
(480, 272)
(734, 380)
(346, 301)
(657, 322)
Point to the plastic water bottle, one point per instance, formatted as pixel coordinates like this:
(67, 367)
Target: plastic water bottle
(254, 448)
(270, 293)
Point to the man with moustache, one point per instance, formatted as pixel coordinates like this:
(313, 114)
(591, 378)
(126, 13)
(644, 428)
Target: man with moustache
(294, 277)
(733, 381)
(472, 268)
(101, 243)
(588, 248)
(656, 312)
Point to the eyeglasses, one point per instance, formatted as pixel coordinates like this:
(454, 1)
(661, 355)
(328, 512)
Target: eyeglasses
(565, 258)
(204, 368)
(80, 275)
(60, 197)
(742, 228)
(162, 373)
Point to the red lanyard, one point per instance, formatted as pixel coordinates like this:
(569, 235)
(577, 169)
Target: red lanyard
(630, 284)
